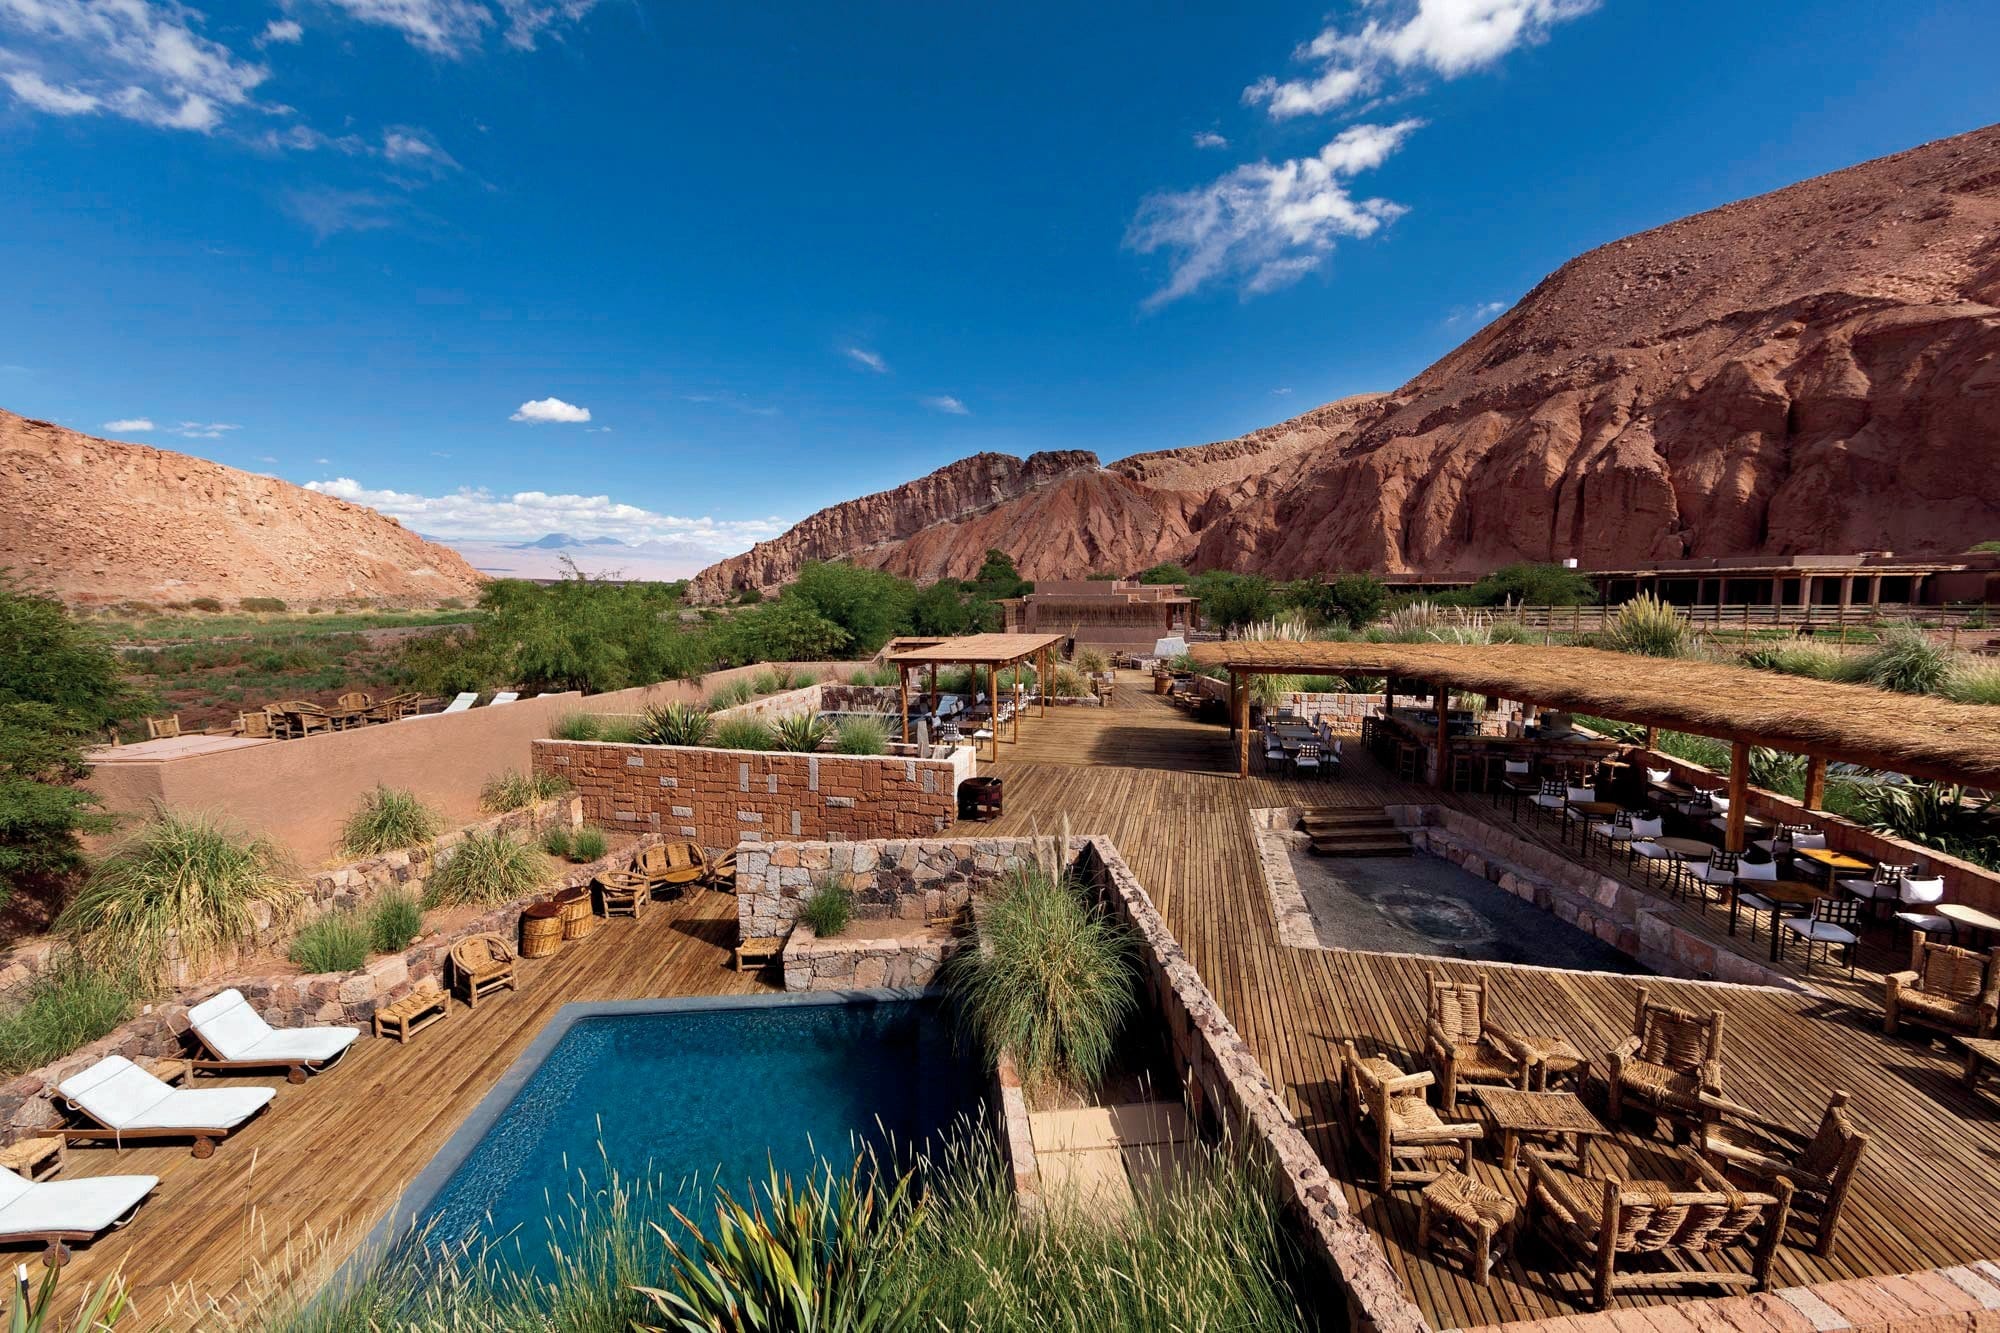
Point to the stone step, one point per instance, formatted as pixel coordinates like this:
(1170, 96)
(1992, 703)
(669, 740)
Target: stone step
(1368, 845)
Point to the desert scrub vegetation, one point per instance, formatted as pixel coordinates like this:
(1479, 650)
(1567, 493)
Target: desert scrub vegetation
(1907, 662)
(1053, 981)
(68, 1004)
(484, 870)
(387, 820)
(337, 942)
(829, 907)
(515, 790)
(588, 845)
(575, 726)
(675, 724)
(1649, 627)
(395, 919)
(555, 840)
(744, 733)
(729, 696)
(185, 877)
(861, 735)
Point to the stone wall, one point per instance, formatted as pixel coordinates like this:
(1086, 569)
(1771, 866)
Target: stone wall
(863, 962)
(723, 797)
(284, 1001)
(909, 880)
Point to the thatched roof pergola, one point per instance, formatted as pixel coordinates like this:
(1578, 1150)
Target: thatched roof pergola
(992, 651)
(1912, 734)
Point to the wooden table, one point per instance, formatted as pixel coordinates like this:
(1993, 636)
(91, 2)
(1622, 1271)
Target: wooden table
(1792, 894)
(1561, 1116)
(34, 1159)
(1981, 1054)
(1684, 850)
(404, 1018)
(1962, 917)
(1550, 1057)
(1592, 810)
(1832, 861)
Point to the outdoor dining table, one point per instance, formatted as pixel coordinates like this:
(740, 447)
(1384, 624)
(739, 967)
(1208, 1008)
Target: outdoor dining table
(1789, 897)
(1684, 850)
(1962, 917)
(1829, 860)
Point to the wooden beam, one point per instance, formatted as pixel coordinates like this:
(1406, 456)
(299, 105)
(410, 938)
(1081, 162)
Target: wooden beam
(1739, 792)
(993, 709)
(1441, 694)
(1815, 798)
(1652, 738)
(903, 681)
(1239, 718)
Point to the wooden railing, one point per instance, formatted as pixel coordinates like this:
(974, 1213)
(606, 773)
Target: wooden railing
(1971, 619)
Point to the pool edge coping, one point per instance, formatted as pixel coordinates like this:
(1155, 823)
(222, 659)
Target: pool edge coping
(423, 1188)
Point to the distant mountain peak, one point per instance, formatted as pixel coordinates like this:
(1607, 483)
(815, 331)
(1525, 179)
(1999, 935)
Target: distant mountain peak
(557, 541)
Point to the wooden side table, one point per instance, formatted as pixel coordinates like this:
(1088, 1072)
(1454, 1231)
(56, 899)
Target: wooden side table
(1479, 1214)
(35, 1159)
(1560, 1116)
(1551, 1059)
(404, 1018)
(1981, 1054)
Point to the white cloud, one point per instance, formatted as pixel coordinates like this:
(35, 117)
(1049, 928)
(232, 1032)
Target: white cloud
(458, 27)
(1281, 393)
(861, 356)
(130, 423)
(541, 411)
(321, 462)
(305, 139)
(527, 19)
(1447, 38)
(1209, 139)
(406, 145)
(327, 211)
(281, 32)
(1475, 314)
(203, 430)
(476, 514)
(947, 404)
(1265, 226)
(140, 59)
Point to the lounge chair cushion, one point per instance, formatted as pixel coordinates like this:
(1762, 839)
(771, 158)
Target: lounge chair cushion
(235, 1031)
(120, 1095)
(203, 1108)
(46, 1207)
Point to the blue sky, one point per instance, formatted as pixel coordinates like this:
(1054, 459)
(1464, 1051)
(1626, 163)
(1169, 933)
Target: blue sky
(786, 256)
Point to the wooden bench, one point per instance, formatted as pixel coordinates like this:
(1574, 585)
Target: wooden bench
(758, 950)
(404, 1018)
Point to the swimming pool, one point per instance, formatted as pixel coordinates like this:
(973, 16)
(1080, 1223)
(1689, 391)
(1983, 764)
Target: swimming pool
(684, 1092)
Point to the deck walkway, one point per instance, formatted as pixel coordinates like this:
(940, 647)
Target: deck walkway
(1161, 786)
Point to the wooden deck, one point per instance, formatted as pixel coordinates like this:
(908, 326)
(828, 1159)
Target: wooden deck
(314, 1174)
(1160, 785)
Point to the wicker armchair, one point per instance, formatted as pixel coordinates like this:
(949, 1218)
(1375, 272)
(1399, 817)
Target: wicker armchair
(1463, 1046)
(623, 893)
(1947, 988)
(722, 872)
(480, 965)
(1672, 1058)
(1394, 1123)
(671, 865)
(1819, 1168)
(1598, 1221)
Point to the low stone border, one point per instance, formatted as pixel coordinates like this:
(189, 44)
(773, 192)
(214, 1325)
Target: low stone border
(847, 962)
(1275, 835)
(909, 879)
(287, 1001)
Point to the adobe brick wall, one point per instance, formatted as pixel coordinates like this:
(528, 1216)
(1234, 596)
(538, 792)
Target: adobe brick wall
(723, 797)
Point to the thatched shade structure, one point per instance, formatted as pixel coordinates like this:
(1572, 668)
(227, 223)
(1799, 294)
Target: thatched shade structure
(992, 651)
(1913, 734)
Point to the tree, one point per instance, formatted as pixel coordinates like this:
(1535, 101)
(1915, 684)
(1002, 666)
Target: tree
(868, 604)
(58, 685)
(1166, 572)
(1528, 584)
(943, 609)
(1234, 600)
(785, 630)
(1353, 600)
(997, 578)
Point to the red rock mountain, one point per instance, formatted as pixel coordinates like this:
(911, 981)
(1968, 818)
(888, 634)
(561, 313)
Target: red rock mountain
(97, 521)
(1812, 370)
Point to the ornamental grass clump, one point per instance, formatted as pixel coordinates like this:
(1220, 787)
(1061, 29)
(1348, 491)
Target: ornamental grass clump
(743, 733)
(801, 732)
(555, 840)
(186, 879)
(730, 695)
(861, 735)
(675, 724)
(485, 869)
(588, 845)
(395, 919)
(577, 727)
(1649, 627)
(337, 942)
(1907, 662)
(829, 907)
(515, 790)
(1974, 680)
(1092, 660)
(1052, 981)
(387, 820)
(68, 1004)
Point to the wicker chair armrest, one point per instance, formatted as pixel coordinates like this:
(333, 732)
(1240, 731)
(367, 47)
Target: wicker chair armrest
(1555, 1185)
(1434, 1042)
(1506, 1041)
(1410, 1082)
(1745, 1159)
(1622, 1052)
(1896, 981)
(1709, 1075)
(1448, 1133)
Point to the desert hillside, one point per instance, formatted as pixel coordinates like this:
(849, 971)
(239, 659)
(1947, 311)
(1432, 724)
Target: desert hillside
(1812, 370)
(97, 521)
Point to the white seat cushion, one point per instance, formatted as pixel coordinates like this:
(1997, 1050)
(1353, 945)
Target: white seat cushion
(1868, 888)
(1756, 870)
(1928, 922)
(1708, 873)
(114, 1091)
(202, 1108)
(1809, 842)
(1652, 851)
(87, 1205)
(228, 1024)
(1920, 892)
(305, 1045)
(1819, 930)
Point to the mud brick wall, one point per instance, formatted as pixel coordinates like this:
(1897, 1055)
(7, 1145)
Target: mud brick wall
(722, 797)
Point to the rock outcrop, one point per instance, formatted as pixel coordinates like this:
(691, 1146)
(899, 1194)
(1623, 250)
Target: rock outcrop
(1815, 370)
(97, 521)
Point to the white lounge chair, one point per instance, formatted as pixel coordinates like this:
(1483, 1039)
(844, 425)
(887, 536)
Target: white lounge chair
(462, 702)
(237, 1037)
(55, 1212)
(129, 1103)
(504, 697)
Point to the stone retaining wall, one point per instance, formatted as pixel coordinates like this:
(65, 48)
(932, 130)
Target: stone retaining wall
(906, 880)
(861, 962)
(284, 1001)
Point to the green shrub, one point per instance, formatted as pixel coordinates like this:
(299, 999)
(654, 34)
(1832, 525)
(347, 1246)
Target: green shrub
(1974, 680)
(485, 869)
(184, 875)
(675, 724)
(801, 732)
(619, 731)
(829, 907)
(555, 840)
(577, 727)
(1931, 814)
(395, 919)
(776, 680)
(515, 790)
(861, 735)
(589, 844)
(1092, 660)
(1068, 683)
(389, 819)
(1650, 628)
(735, 693)
(1054, 984)
(802, 678)
(744, 733)
(204, 604)
(337, 942)
(261, 604)
(1906, 661)
(68, 1004)
(1812, 660)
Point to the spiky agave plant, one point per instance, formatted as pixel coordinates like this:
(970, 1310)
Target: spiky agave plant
(675, 724)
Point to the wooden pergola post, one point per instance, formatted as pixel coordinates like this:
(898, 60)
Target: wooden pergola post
(1441, 693)
(903, 684)
(1239, 719)
(993, 708)
(1045, 680)
(1652, 738)
(1815, 798)
(1739, 791)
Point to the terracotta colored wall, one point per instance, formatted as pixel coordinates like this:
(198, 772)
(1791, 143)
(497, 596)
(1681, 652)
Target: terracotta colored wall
(299, 792)
(723, 797)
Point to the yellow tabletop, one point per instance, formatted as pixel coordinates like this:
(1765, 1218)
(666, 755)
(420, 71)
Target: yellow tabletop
(1832, 859)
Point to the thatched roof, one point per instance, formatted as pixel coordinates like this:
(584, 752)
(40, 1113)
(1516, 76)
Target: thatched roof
(978, 650)
(1917, 735)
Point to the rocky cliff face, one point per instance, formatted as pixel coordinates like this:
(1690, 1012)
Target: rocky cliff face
(98, 521)
(1813, 370)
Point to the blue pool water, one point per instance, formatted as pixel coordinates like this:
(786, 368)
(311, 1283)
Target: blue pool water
(711, 1097)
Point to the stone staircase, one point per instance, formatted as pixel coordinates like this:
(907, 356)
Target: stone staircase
(1353, 831)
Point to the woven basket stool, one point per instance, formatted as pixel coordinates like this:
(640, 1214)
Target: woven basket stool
(577, 918)
(1477, 1213)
